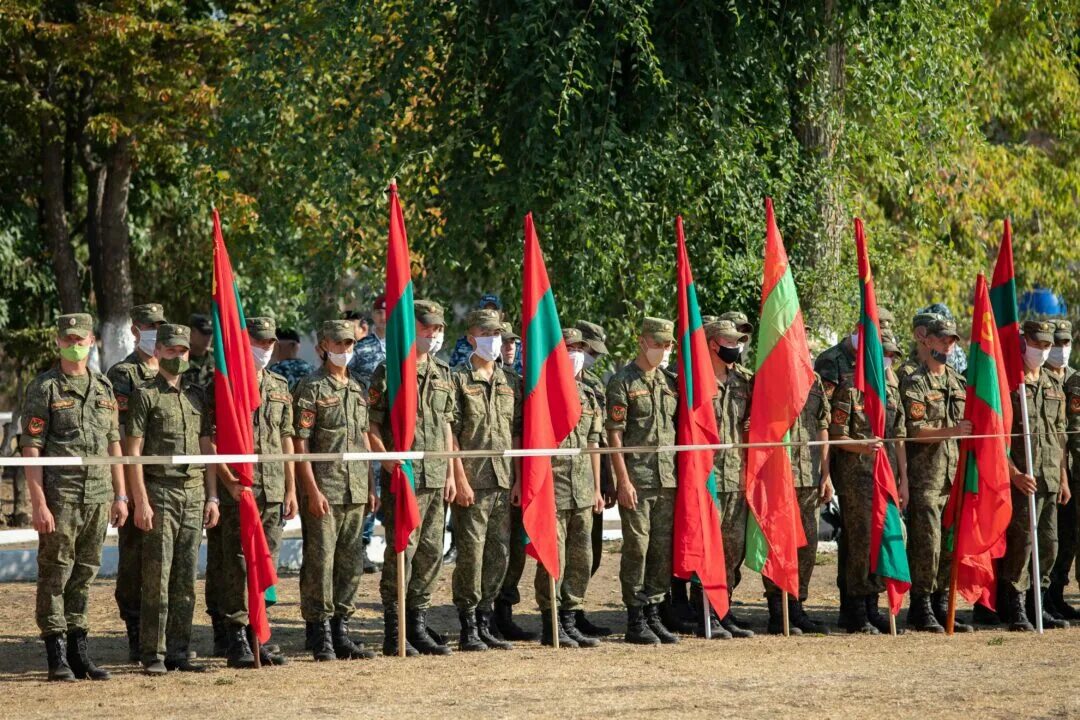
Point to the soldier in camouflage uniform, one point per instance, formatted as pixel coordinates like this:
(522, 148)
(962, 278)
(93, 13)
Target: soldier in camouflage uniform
(170, 416)
(1072, 393)
(202, 354)
(1047, 481)
(577, 497)
(288, 365)
(1057, 364)
(487, 416)
(433, 485)
(934, 398)
(742, 324)
(331, 416)
(641, 404)
(71, 411)
(126, 376)
(462, 348)
(919, 351)
(595, 338)
(274, 489)
(813, 488)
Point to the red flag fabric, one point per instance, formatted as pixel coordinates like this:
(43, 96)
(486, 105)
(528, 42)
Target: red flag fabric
(698, 547)
(552, 406)
(1006, 312)
(236, 396)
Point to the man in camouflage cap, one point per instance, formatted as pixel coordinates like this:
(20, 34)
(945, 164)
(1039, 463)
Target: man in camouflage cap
(641, 404)
(919, 351)
(202, 354)
(487, 416)
(170, 415)
(1046, 481)
(126, 376)
(934, 397)
(743, 324)
(886, 319)
(71, 411)
(1057, 364)
(330, 415)
(577, 497)
(433, 485)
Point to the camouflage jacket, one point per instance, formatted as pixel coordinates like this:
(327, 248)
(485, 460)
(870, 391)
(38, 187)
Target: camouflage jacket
(732, 406)
(126, 376)
(293, 370)
(171, 420)
(1047, 420)
(574, 482)
(643, 406)
(854, 472)
(487, 416)
(836, 366)
(932, 402)
(332, 416)
(805, 460)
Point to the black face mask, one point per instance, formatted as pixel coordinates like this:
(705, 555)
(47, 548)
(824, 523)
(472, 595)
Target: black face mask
(939, 356)
(729, 355)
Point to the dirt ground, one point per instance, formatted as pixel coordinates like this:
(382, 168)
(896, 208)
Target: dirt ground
(990, 674)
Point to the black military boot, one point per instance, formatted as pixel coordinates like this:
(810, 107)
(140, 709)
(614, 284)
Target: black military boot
(416, 633)
(565, 641)
(78, 657)
(982, 615)
(134, 651)
(269, 654)
(1015, 613)
(857, 622)
(940, 604)
(776, 615)
(697, 607)
(652, 619)
(221, 636)
(390, 635)
(1049, 621)
(920, 617)
(183, 664)
(483, 631)
(729, 623)
(676, 617)
(637, 630)
(805, 623)
(504, 623)
(238, 653)
(344, 647)
(469, 641)
(875, 618)
(585, 627)
(567, 620)
(1055, 597)
(57, 656)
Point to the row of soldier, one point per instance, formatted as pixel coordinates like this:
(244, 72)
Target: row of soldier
(155, 403)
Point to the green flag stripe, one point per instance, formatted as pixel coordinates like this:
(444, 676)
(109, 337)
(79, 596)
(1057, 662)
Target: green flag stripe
(219, 345)
(757, 547)
(541, 339)
(982, 376)
(401, 328)
(873, 354)
(1003, 299)
(687, 356)
(777, 314)
(892, 557)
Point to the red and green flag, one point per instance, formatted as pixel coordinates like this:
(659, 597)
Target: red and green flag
(698, 544)
(1006, 312)
(552, 405)
(888, 556)
(980, 504)
(401, 387)
(774, 531)
(236, 397)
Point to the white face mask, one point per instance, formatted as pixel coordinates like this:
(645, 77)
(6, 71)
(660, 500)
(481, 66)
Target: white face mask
(488, 348)
(1059, 356)
(577, 358)
(262, 356)
(429, 345)
(147, 340)
(855, 340)
(590, 360)
(1034, 357)
(339, 359)
(657, 357)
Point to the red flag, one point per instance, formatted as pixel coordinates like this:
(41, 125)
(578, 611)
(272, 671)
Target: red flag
(698, 545)
(236, 396)
(1006, 312)
(552, 406)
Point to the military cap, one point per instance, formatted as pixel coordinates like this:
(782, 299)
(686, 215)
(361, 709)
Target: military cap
(288, 334)
(508, 332)
(573, 336)
(658, 329)
(594, 336)
(1062, 331)
(709, 319)
(739, 319)
(923, 319)
(336, 330)
(888, 343)
(379, 303)
(727, 330)
(148, 314)
(942, 327)
(171, 335)
(262, 328)
(484, 319)
(76, 324)
(429, 312)
(885, 317)
(201, 323)
(489, 299)
(1039, 330)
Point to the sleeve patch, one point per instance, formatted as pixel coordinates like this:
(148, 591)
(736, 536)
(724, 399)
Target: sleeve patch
(373, 395)
(830, 388)
(1074, 404)
(307, 418)
(122, 402)
(618, 413)
(35, 426)
(839, 416)
(917, 411)
(107, 404)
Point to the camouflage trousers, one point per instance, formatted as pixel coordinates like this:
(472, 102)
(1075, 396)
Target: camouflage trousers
(68, 561)
(1067, 541)
(575, 561)
(807, 497)
(645, 568)
(215, 561)
(333, 561)
(930, 560)
(482, 533)
(128, 593)
(423, 555)
(515, 565)
(733, 511)
(1016, 565)
(170, 554)
(856, 508)
(232, 581)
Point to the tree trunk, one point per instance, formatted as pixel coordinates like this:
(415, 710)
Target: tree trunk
(114, 278)
(54, 217)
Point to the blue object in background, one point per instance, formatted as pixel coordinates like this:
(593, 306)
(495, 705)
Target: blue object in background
(1041, 301)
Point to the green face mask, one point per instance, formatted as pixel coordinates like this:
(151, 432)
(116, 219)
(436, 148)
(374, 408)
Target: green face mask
(174, 366)
(75, 353)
